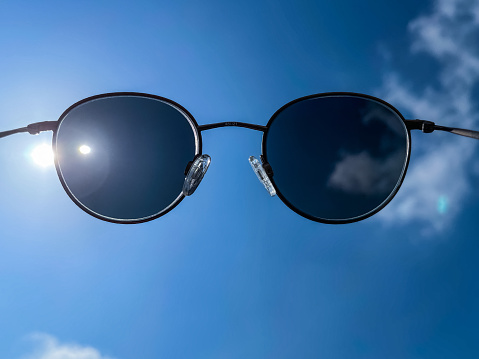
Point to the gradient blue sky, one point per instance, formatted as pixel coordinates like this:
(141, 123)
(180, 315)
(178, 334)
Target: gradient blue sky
(231, 272)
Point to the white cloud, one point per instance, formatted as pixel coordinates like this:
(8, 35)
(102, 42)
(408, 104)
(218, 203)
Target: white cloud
(449, 34)
(48, 347)
(440, 165)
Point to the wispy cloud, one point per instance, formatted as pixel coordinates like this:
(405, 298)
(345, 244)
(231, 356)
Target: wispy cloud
(437, 182)
(48, 347)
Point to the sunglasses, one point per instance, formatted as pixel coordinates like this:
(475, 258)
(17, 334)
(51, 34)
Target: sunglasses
(335, 157)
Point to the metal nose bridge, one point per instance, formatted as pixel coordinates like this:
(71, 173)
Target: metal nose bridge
(261, 172)
(233, 124)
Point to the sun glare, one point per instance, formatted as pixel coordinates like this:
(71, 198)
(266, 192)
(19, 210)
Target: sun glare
(85, 149)
(42, 155)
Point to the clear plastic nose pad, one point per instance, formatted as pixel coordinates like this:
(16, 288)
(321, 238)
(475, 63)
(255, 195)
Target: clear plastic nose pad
(194, 174)
(262, 175)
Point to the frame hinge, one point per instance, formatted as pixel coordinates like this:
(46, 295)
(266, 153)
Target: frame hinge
(428, 126)
(37, 127)
(424, 126)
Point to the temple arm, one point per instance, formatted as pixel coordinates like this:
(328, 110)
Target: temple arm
(428, 126)
(33, 128)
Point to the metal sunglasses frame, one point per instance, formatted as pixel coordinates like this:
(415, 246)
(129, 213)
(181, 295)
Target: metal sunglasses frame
(416, 124)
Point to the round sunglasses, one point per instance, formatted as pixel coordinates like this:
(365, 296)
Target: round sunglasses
(130, 157)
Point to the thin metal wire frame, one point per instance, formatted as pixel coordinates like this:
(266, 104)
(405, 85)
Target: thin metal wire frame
(424, 126)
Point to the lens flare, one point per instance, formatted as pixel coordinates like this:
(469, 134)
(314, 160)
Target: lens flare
(442, 204)
(84, 149)
(42, 155)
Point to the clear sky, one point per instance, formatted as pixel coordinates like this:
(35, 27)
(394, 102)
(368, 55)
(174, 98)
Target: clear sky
(231, 272)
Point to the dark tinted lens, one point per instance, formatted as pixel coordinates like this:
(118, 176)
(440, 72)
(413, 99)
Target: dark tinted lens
(337, 157)
(124, 157)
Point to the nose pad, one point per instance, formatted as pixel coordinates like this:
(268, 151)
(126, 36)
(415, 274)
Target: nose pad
(195, 173)
(262, 175)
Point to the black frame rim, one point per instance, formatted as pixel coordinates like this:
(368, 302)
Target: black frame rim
(338, 94)
(177, 106)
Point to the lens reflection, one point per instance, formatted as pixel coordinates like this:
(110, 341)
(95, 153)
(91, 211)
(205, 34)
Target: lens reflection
(84, 149)
(123, 157)
(337, 157)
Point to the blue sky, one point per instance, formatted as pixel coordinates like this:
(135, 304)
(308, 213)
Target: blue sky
(231, 272)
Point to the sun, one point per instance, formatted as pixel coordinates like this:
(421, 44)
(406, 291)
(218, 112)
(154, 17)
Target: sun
(42, 155)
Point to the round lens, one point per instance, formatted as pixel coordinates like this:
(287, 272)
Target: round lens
(337, 158)
(122, 157)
